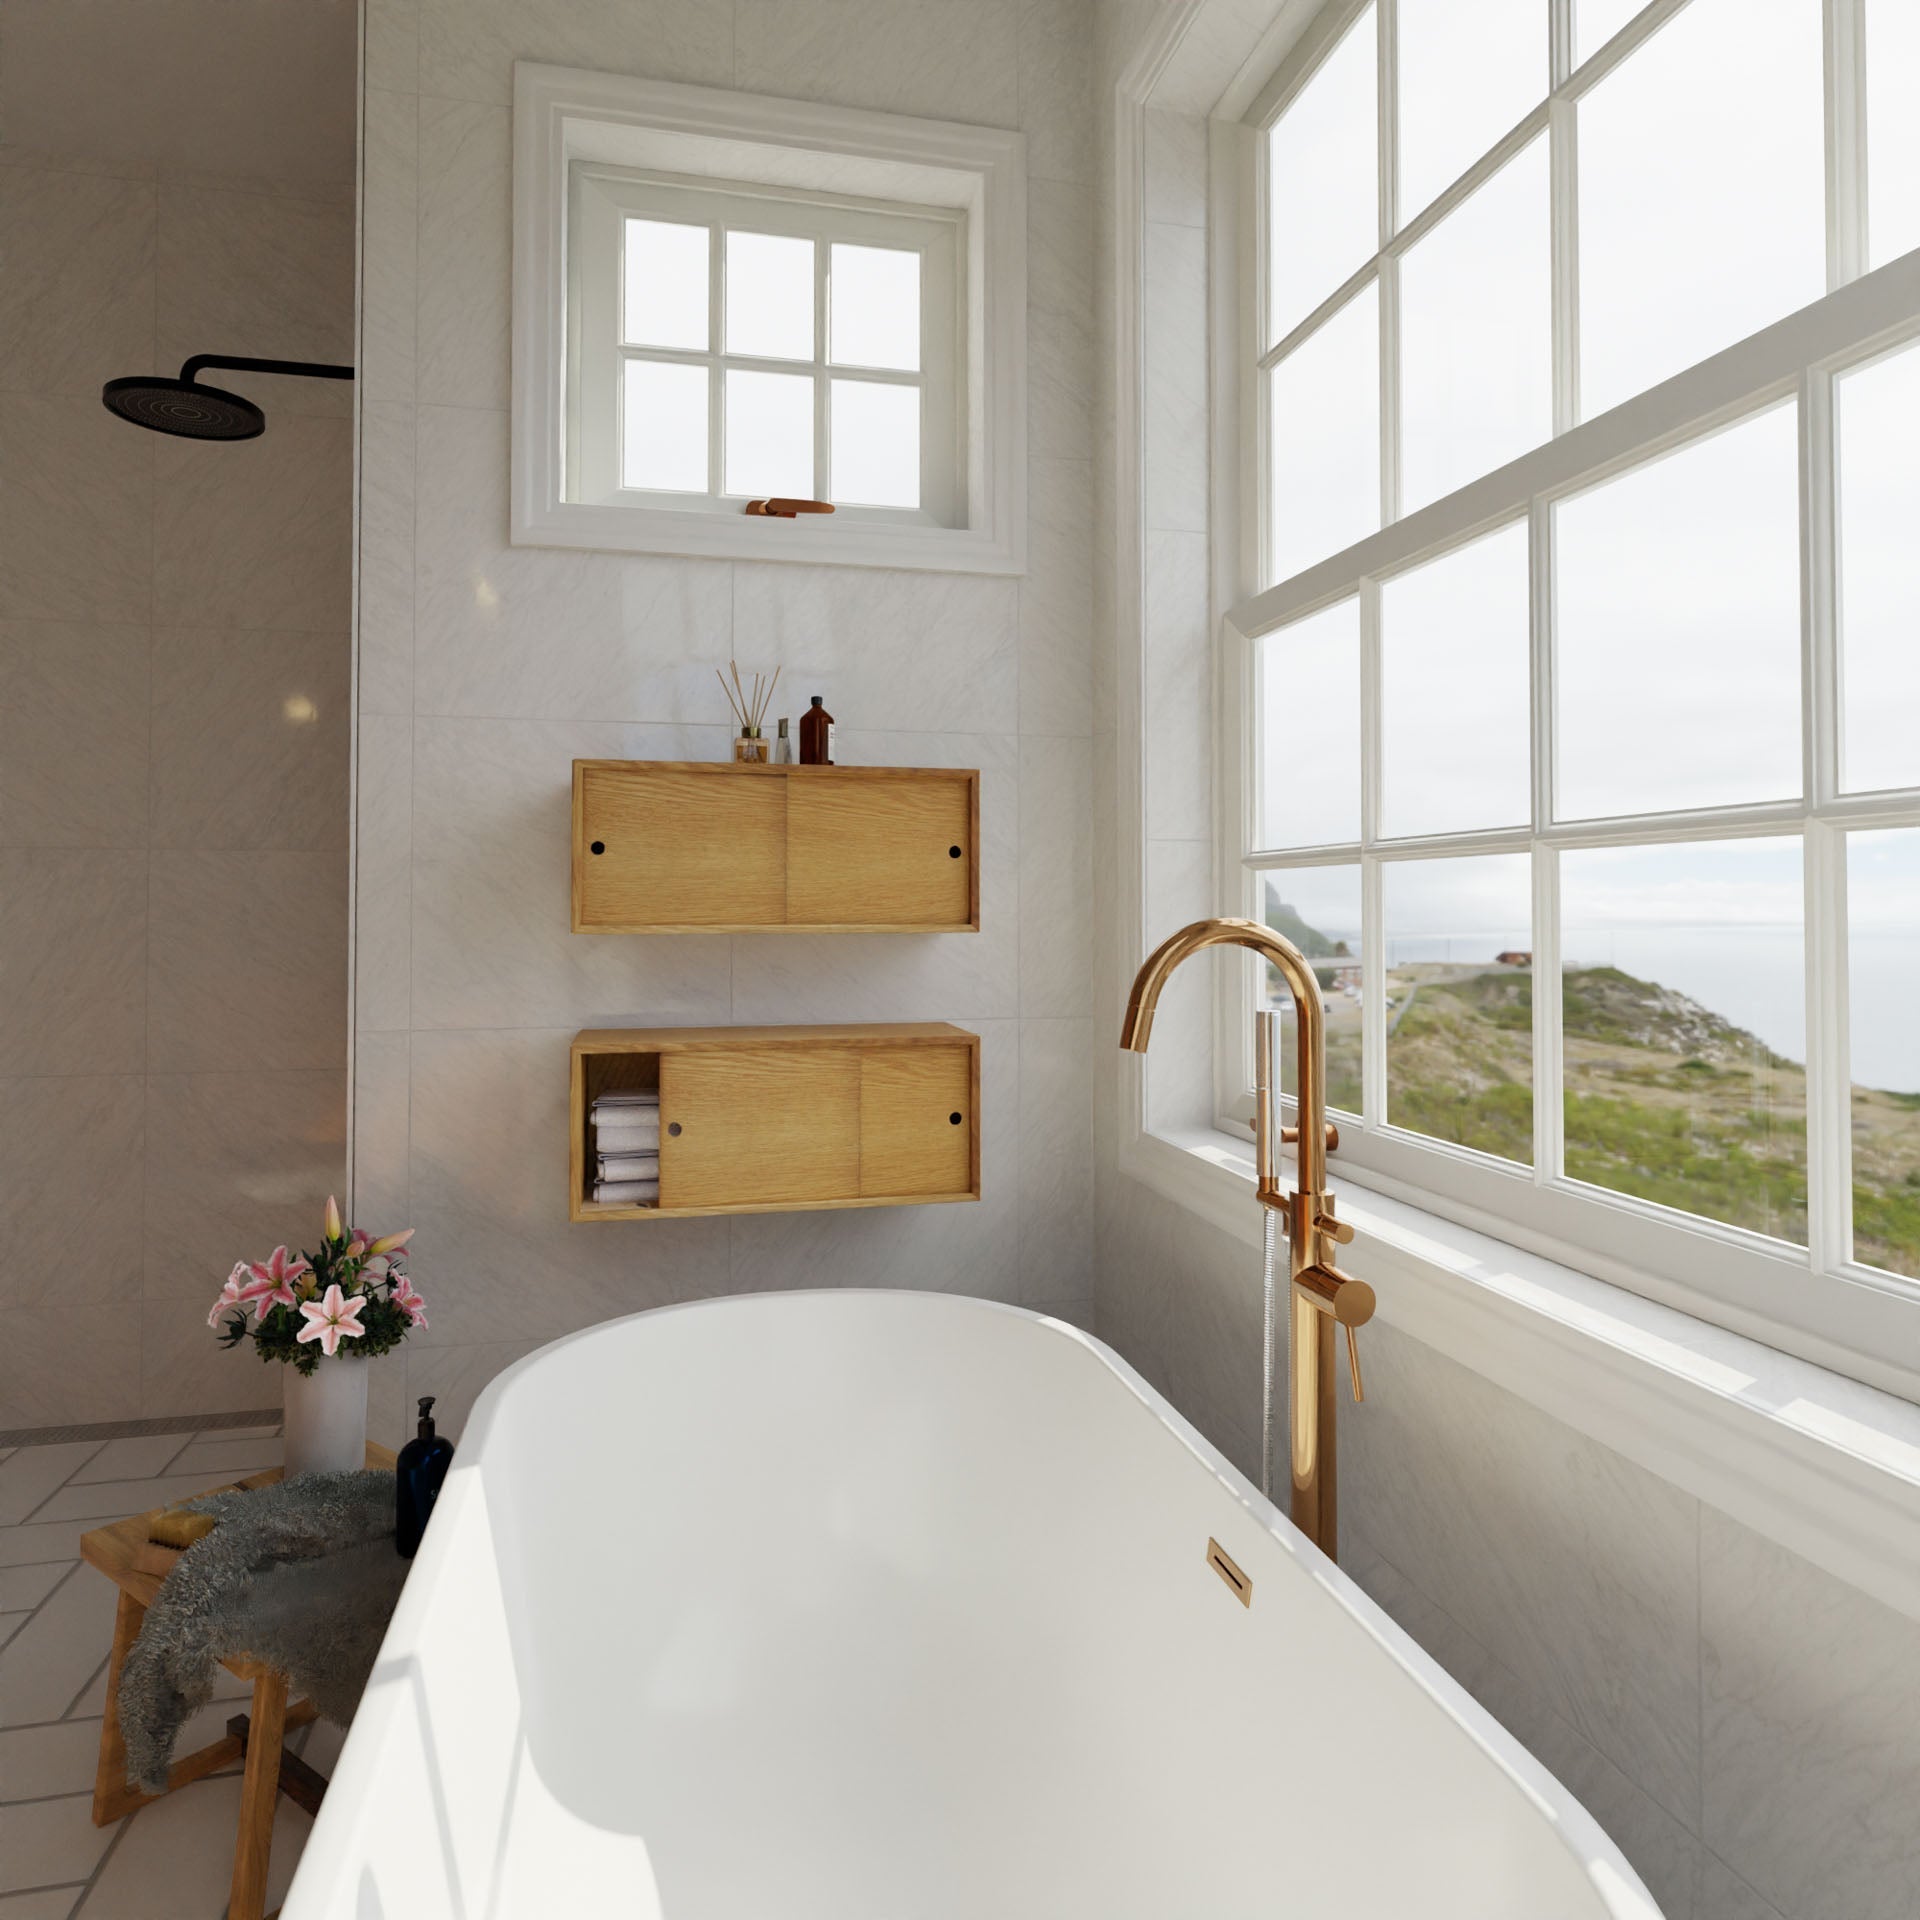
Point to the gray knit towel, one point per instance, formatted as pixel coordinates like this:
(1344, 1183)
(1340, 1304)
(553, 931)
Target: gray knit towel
(301, 1575)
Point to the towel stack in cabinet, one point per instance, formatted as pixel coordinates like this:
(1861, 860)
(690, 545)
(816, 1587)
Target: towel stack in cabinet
(626, 1148)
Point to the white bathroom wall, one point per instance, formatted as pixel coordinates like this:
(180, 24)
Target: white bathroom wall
(174, 667)
(485, 669)
(1746, 1725)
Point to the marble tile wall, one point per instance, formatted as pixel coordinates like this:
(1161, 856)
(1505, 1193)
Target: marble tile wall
(1746, 1726)
(174, 727)
(486, 668)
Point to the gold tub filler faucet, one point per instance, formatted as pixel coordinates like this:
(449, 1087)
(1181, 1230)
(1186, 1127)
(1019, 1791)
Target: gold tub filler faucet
(1320, 1296)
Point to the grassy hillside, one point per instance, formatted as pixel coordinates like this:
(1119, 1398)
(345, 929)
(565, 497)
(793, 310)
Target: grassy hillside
(1665, 1100)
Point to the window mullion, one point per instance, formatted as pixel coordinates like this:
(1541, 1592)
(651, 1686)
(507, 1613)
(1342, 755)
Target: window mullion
(1846, 140)
(1563, 156)
(1373, 933)
(1829, 1069)
(1387, 31)
(821, 470)
(1548, 1069)
(716, 342)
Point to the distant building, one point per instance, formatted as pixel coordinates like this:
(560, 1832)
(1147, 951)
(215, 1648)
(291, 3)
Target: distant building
(1513, 957)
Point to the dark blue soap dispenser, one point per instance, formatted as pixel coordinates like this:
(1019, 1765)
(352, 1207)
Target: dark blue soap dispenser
(422, 1466)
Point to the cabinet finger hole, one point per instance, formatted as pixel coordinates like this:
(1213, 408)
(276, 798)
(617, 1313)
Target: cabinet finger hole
(953, 1119)
(599, 846)
(953, 853)
(673, 1127)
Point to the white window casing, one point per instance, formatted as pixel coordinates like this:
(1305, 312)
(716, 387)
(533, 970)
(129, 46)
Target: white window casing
(1813, 1299)
(593, 150)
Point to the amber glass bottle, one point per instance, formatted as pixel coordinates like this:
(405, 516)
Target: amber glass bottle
(816, 735)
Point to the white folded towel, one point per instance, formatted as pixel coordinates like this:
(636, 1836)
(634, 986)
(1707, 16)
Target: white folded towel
(627, 1136)
(626, 1193)
(629, 1166)
(626, 1100)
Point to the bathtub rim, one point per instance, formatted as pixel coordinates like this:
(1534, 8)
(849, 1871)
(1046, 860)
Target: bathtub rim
(1618, 1886)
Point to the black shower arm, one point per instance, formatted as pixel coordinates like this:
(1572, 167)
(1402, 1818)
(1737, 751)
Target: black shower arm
(312, 369)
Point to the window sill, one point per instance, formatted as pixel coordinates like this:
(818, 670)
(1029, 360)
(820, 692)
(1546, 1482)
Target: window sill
(1826, 1467)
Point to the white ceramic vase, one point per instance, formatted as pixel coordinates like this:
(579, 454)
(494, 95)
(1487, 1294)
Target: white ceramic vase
(327, 1417)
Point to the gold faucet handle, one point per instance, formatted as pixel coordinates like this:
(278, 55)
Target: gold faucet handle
(1353, 1362)
(1290, 1136)
(1337, 1230)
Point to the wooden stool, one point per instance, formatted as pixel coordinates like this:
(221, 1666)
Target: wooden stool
(136, 1566)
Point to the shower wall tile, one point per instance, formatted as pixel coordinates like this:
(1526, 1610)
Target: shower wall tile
(496, 1254)
(466, 247)
(73, 734)
(246, 963)
(1722, 1895)
(1176, 169)
(1057, 1064)
(885, 976)
(237, 266)
(76, 299)
(382, 1103)
(70, 1200)
(492, 840)
(912, 652)
(48, 1378)
(468, 47)
(390, 231)
(250, 739)
(1056, 614)
(1578, 1565)
(256, 533)
(236, 1164)
(391, 48)
(489, 613)
(73, 938)
(1060, 248)
(387, 512)
(1179, 1070)
(76, 511)
(1056, 876)
(1174, 324)
(970, 1247)
(185, 1369)
(1179, 706)
(951, 59)
(1059, 381)
(383, 876)
(1056, 88)
(1812, 1732)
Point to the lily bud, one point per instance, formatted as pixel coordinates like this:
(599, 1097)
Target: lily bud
(333, 1218)
(391, 1242)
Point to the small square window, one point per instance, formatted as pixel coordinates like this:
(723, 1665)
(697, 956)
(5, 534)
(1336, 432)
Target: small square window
(837, 316)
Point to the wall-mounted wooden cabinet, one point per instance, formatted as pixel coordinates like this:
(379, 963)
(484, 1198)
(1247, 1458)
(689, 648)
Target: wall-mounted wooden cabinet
(710, 847)
(779, 1119)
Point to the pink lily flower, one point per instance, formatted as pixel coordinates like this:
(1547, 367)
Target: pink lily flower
(331, 1319)
(231, 1294)
(272, 1284)
(391, 1243)
(408, 1301)
(356, 1244)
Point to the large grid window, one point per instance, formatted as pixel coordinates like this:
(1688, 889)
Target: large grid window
(1582, 735)
(734, 344)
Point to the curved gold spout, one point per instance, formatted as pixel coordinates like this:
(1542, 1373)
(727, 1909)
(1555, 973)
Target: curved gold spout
(1321, 1297)
(1310, 1029)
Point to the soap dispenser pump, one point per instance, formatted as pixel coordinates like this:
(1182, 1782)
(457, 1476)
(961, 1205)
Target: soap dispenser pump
(422, 1466)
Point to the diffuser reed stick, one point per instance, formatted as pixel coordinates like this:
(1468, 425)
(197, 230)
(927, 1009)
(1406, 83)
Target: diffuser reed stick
(749, 708)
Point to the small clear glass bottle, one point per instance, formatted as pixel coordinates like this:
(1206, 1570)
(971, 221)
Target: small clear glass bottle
(783, 747)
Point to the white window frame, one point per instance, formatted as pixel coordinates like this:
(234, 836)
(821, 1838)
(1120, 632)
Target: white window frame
(602, 199)
(567, 122)
(1816, 1299)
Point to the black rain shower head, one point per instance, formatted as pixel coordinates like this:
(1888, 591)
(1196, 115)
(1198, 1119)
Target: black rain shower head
(194, 412)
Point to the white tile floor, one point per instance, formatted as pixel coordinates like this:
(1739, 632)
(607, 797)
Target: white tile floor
(171, 1860)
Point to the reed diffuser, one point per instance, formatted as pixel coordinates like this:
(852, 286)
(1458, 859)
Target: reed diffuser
(749, 706)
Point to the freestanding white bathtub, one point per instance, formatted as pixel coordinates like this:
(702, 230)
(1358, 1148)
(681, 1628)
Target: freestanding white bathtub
(890, 1606)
